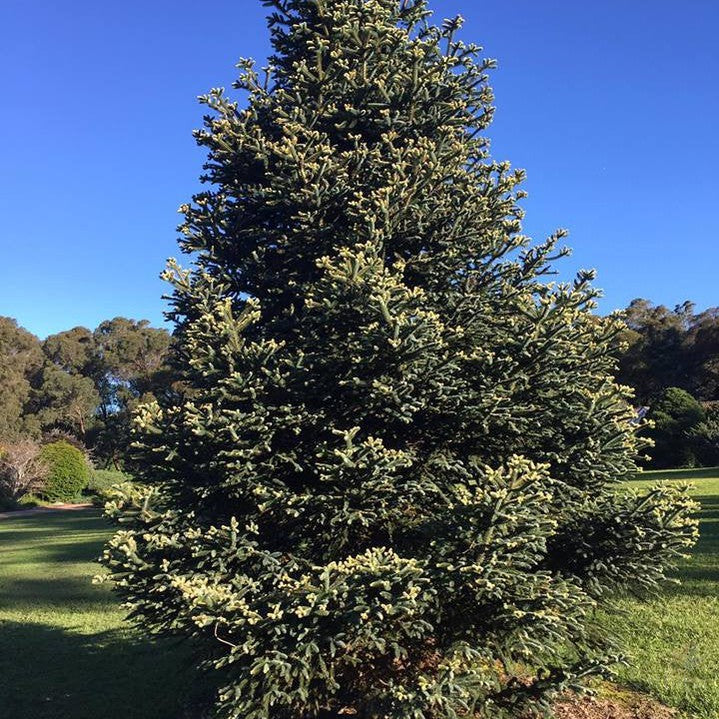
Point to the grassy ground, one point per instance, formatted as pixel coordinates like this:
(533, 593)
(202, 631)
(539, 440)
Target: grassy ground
(65, 652)
(674, 639)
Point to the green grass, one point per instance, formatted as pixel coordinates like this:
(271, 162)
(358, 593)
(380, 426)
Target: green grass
(673, 640)
(65, 652)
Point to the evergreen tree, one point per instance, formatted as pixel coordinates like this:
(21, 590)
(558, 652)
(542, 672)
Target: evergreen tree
(389, 487)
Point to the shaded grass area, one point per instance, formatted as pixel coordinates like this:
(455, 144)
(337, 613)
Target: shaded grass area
(65, 652)
(673, 639)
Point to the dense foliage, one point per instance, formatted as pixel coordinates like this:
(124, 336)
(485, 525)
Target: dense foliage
(675, 415)
(101, 480)
(102, 483)
(704, 437)
(86, 384)
(68, 471)
(20, 358)
(389, 486)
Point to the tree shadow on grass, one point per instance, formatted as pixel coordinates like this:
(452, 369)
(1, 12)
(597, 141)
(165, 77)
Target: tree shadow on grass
(700, 573)
(708, 543)
(52, 673)
(61, 593)
(64, 539)
(88, 550)
(56, 576)
(709, 506)
(38, 525)
(58, 660)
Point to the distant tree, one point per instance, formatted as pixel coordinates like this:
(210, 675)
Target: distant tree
(670, 348)
(390, 488)
(676, 416)
(72, 351)
(64, 400)
(22, 469)
(131, 366)
(82, 383)
(132, 351)
(92, 381)
(656, 356)
(20, 359)
(65, 397)
(703, 344)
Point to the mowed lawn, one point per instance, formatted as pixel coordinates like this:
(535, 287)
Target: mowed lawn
(673, 640)
(65, 652)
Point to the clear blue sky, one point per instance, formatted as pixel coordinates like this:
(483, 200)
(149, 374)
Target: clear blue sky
(612, 108)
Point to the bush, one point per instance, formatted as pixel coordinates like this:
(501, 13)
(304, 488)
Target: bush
(102, 479)
(705, 437)
(102, 482)
(29, 501)
(6, 503)
(69, 471)
(676, 415)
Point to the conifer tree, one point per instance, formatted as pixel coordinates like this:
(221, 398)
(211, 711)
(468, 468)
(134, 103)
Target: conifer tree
(389, 487)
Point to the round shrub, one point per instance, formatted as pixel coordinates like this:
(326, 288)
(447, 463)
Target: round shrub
(69, 472)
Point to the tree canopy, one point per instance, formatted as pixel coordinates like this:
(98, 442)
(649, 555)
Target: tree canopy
(671, 348)
(20, 357)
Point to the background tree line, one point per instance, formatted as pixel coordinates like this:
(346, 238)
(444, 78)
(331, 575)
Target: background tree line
(671, 359)
(85, 383)
(80, 384)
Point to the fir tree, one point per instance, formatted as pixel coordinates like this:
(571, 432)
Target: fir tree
(389, 488)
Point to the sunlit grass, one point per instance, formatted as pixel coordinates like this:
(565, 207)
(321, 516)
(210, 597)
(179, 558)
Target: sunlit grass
(673, 640)
(66, 653)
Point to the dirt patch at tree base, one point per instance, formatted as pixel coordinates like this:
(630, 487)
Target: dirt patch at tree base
(613, 703)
